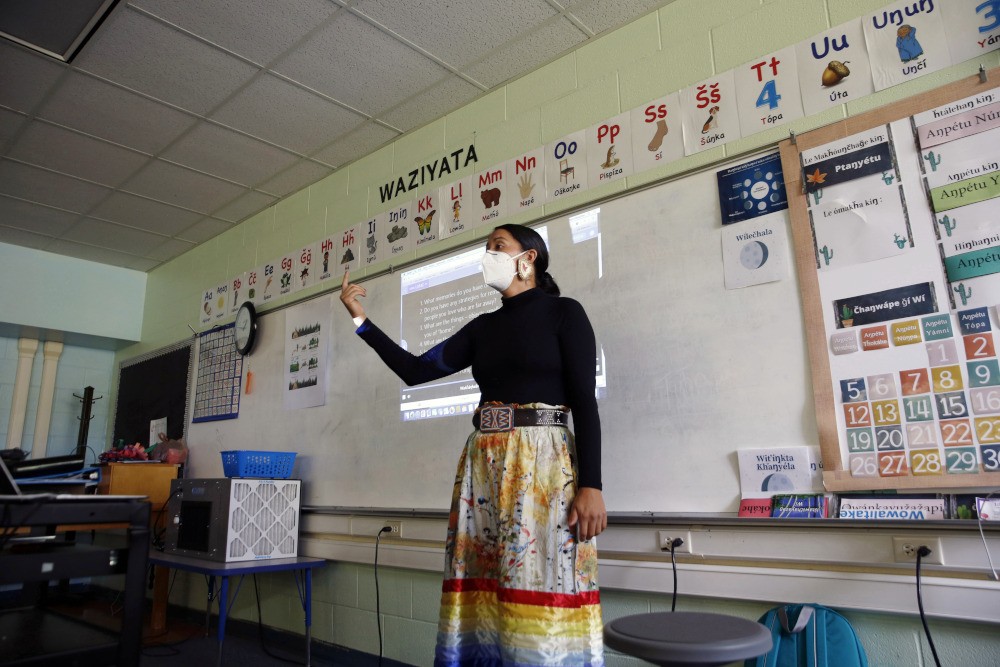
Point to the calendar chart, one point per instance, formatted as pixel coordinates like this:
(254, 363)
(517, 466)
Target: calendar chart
(220, 370)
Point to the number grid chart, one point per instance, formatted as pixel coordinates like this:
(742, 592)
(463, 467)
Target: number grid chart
(905, 365)
(220, 371)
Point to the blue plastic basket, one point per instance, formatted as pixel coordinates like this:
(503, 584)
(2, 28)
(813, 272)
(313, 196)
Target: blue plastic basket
(247, 463)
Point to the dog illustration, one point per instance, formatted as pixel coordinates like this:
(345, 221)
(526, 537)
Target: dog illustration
(713, 120)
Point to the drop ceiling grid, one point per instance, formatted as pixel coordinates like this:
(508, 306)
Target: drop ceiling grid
(178, 120)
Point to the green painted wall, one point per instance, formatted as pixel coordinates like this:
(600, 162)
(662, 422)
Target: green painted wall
(678, 45)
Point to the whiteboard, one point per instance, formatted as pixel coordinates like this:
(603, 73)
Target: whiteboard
(694, 372)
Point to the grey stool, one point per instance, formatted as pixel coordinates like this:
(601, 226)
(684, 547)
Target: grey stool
(682, 638)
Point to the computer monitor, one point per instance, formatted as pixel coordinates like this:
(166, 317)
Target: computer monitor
(51, 465)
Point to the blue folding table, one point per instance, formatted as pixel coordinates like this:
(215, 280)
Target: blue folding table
(215, 569)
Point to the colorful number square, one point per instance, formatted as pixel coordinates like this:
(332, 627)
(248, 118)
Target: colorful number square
(988, 430)
(885, 412)
(853, 390)
(864, 465)
(857, 414)
(942, 353)
(979, 346)
(984, 373)
(956, 432)
(926, 462)
(917, 408)
(881, 387)
(961, 460)
(985, 400)
(892, 464)
(860, 440)
(947, 378)
(991, 457)
(888, 438)
(915, 381)
(921, 436)
(951, 405)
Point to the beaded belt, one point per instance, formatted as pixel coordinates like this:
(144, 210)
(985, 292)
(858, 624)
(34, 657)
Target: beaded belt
(502, 418)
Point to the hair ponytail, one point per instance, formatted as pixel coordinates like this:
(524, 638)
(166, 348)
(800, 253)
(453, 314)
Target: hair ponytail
(529, 239)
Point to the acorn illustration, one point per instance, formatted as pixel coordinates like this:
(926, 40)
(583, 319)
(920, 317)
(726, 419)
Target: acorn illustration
(834, 72)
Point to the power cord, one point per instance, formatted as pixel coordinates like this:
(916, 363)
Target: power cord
(378, 611)
(923, 552)
(676, 542)
(260, 628)
(986, 547)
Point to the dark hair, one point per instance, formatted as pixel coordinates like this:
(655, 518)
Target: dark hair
(529, 239)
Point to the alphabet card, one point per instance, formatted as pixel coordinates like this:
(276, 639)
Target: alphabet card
(426, 225)
(709, 113)
(344, 256)
(237, 293)
(489, 197)
(399, 230)
(906, 40)
(306, 266)
(611, 157)
(456, 214)
(375, 247)
(286, 275)
(208, 307)
(973, 27)
(657, 137)
(269, 276)
(768, 91)
(254, 284)
(528, 172)
(566, 166)
(834, 68)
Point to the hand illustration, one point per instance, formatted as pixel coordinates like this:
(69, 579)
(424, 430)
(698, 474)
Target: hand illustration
(525, 185)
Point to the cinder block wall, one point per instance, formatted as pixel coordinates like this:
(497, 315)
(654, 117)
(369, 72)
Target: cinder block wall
(666, 50)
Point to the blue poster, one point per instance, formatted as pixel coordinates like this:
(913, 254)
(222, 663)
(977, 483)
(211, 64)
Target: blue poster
(752, 189)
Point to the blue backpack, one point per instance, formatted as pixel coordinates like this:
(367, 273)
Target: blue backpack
(809, 636)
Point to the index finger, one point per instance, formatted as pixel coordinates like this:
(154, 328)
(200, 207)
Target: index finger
(344, 285)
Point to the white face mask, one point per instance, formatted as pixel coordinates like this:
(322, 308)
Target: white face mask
(499, 269)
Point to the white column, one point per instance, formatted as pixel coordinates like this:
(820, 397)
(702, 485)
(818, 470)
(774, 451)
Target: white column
(50, 364)
(26, 349)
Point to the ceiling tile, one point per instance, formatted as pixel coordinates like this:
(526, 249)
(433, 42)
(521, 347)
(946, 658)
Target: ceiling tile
(34, 218)
(355, 63)
(170, 249)
(10, 123)
(23, 238)
(90, 105)
(145, 214)
(451, 93)
(603, 15)
(25, 77)
(244, 206)
(457, 32)
(286, 115)
(34, 184)
(228, 154)
(138, 263)
(300, 175)
(176, 185)
(526, 54)
(112, 236)
(204, 230)
(359, 142)
(147, 56)
(70, 153)
(256, 29)
(91, 253)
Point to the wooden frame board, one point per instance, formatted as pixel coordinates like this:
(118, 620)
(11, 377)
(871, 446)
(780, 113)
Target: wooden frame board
(835, 476)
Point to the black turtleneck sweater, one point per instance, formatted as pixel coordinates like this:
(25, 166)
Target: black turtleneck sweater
(536, 348)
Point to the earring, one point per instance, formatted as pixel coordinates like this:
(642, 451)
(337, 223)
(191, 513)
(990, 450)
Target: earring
(524, 269)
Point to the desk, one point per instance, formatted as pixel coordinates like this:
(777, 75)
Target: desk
(687, 638)
(225, 570)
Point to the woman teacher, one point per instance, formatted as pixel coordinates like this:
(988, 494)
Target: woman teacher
(520, 563)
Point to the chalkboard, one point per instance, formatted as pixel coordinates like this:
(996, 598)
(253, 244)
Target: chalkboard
(693, 371)
(153, 386)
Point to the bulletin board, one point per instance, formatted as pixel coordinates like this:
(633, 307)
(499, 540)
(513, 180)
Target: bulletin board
(153, 386)
(902, 349)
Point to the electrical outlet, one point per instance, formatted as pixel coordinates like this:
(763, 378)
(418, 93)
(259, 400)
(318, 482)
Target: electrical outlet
(395, 528)
(904, 549)
(668, 536)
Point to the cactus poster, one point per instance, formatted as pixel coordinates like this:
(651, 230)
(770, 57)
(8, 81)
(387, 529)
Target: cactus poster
(906, 40)
(756, 251)
(973, 27)
(767, 90)
(892, 304)
(962, 118)
(710, 114)
(972, 227)
(834, 68)
(869, 226)
(834, 170)
(528, 173)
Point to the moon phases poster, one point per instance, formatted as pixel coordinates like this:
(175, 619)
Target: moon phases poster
(756, 251)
